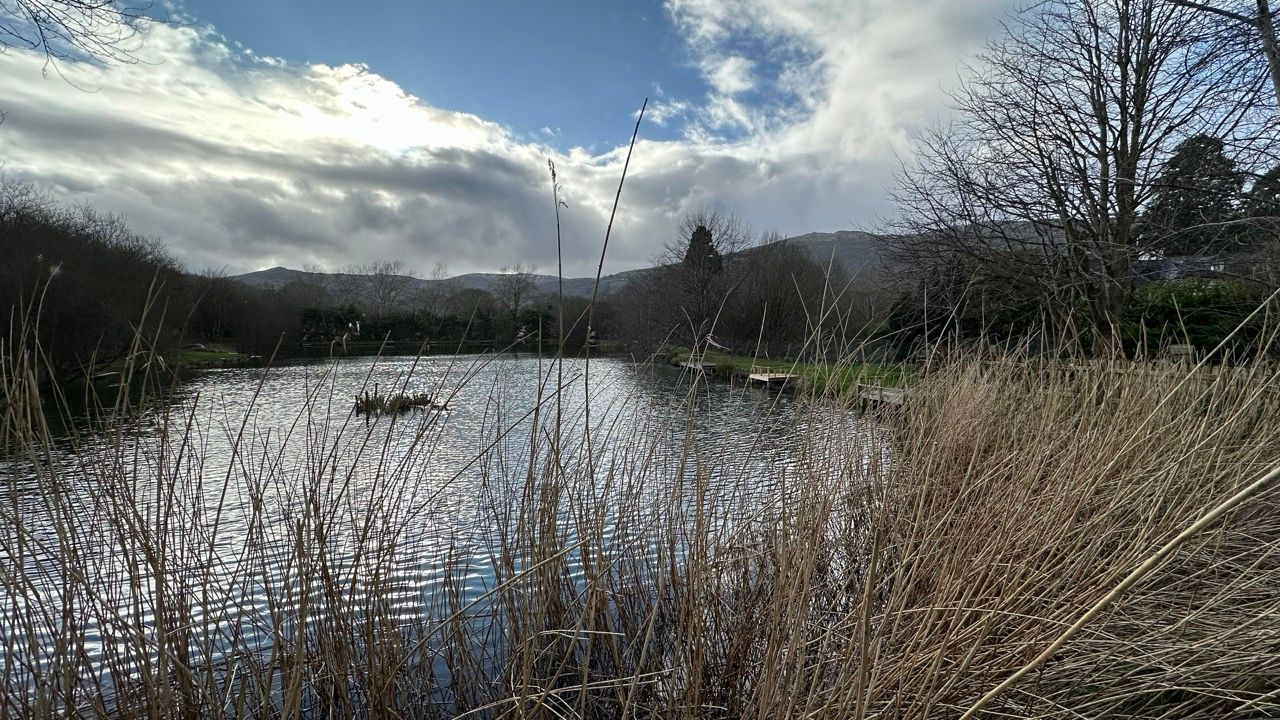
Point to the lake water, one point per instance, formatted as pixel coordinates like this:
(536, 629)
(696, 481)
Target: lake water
(223, 508)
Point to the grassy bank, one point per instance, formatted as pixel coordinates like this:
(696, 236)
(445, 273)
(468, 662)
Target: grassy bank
(184, 358)
(899, 570)
(203, 356)
(835, 379)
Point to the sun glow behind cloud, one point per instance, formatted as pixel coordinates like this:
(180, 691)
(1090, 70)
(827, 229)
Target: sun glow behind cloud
(241, 161)
(365, 109)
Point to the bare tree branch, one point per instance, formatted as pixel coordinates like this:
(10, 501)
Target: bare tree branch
(102, 31)
(1263, 22)
(1205, 7)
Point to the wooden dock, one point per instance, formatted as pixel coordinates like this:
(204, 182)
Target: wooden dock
(697, 364)
(768, 376)
(872, 395)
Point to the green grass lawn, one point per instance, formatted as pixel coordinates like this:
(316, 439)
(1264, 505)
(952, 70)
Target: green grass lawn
(184, 357)
(836, 378)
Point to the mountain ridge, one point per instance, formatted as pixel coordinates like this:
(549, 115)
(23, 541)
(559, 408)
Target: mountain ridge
(856, 251)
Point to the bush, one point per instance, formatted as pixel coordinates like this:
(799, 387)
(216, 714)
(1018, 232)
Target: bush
(1197, 311)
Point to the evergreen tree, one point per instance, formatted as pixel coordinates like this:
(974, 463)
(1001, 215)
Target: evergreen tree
(1262, 207)
(701, 272)
(702, 257)
(1196, 198)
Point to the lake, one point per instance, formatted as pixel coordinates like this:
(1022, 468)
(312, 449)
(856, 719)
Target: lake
(252, 510)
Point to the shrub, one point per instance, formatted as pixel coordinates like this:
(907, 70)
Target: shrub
(1198, 311)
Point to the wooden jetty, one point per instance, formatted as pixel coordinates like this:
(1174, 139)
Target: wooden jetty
(768, 376)
(871, 395)
(696, 363)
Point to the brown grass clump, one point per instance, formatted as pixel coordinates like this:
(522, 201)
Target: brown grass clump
(377, 403)
(1020, 495)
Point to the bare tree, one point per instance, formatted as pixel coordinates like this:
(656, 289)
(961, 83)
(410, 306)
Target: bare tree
(380, 288)
(1040, 184)
(1261, 20)
(729, 234)
(779, 299)
(514, 286)
(348, 286)
(311, 289)
(465, 302)
(216, 297)
(106, 31)
(697, 271)
(387, 286)
(438, 289)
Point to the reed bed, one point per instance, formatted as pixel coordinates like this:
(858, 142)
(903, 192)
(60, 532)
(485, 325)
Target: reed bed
(903, 567)
(377, 403)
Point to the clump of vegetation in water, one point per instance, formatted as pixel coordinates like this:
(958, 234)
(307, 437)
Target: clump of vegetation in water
(376, 403)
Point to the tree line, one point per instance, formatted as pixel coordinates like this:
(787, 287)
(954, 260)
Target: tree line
(718, 282)
(92, 290)
(90, 286)
(715, 278)
(385, 300)
(1108, 183)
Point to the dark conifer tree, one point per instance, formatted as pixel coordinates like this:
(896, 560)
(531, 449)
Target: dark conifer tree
(1196, 200)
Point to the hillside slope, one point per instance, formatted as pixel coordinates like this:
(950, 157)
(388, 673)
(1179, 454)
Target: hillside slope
(279, 277)
(857, 252)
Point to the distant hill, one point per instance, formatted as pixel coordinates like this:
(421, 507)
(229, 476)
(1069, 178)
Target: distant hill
(581, 286)
(857, 252)
(279, 277)
(276, 277)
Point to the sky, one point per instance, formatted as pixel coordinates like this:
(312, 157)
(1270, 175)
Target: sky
(334, 134)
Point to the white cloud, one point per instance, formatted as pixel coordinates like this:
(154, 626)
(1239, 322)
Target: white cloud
(242, 161)
(731, 75)
(665, 112)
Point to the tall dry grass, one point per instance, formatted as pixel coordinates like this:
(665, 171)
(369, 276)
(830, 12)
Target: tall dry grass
(904, 566)
(1022, 494)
